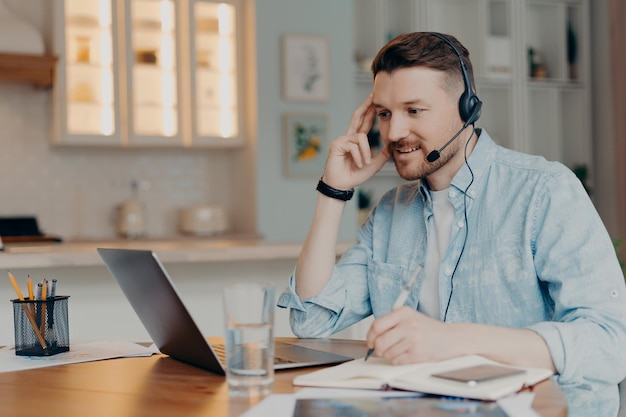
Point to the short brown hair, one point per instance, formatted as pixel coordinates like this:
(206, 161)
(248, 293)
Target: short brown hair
(424, 49)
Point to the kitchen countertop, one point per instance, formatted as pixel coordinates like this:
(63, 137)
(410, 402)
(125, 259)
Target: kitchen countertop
(83, 253)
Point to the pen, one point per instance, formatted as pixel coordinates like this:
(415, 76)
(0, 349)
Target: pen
(53, 288)
(44, 296)
(52, 295)
(402, 297)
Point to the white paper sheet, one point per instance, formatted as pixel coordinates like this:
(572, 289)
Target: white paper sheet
(79, 352)
(519, 405)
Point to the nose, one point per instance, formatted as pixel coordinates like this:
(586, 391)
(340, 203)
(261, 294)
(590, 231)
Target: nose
(398, 128)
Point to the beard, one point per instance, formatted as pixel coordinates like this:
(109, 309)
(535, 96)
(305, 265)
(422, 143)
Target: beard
(419, 168)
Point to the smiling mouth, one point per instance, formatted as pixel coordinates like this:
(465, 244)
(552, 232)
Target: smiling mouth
(407, 150)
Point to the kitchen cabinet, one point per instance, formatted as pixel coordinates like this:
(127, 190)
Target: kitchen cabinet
(148, 73)
(531, 64)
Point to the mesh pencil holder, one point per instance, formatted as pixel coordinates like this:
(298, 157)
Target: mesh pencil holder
(41, 327)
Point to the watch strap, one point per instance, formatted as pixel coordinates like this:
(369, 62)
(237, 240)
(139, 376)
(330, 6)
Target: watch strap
(328, 191)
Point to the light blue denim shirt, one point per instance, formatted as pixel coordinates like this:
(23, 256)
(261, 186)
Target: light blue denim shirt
(537, 256)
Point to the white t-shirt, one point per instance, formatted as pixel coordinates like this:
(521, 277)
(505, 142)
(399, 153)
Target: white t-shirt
(439, 234)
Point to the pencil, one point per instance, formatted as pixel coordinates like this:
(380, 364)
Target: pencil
(15, 286)
(27, 311)
(44, 290)
(29, 283)
(31, 296)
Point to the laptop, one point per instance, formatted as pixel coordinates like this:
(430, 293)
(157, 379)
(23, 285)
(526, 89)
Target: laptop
(169, 323)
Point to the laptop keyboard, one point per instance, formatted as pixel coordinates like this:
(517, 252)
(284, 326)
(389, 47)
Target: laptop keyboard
(220, 351)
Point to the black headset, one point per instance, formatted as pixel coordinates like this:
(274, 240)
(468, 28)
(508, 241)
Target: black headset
(469, 103)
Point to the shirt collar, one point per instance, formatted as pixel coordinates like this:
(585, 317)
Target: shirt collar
(479, 162)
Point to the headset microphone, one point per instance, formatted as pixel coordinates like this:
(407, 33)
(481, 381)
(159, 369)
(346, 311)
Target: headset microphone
(434, 155)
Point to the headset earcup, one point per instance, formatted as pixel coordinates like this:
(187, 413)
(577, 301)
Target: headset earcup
(469, 107)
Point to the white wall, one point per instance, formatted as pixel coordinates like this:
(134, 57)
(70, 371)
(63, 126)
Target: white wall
(603, 134)
(285, 205)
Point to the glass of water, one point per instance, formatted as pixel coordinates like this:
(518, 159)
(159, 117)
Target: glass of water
(249, 325)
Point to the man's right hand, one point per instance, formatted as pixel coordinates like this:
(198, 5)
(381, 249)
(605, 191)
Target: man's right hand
(350, 161)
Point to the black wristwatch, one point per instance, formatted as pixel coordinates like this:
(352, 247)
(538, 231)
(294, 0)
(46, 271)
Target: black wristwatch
(328, 191)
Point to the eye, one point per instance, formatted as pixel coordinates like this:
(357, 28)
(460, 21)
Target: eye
(384, 114)
(414, 111)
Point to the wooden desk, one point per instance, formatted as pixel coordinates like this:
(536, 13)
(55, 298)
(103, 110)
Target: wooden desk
(160, 386)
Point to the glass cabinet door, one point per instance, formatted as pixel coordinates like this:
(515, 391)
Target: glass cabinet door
(152, 72)
(214, 69)
(88, 114)
(148, 73)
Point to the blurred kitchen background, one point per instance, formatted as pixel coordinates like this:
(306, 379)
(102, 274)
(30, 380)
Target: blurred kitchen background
(73, 188)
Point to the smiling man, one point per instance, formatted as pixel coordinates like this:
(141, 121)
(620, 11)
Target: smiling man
(514, 262)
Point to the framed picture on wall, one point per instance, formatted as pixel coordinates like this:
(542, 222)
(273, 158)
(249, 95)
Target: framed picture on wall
(305, 68)
(305, 144)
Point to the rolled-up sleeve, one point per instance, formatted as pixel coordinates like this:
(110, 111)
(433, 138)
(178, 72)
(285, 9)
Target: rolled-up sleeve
(343, 301)
(317, 316)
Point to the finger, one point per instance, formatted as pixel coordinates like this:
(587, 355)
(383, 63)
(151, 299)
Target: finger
(367, 120)
(378, 327)
(374, 331)
(391, 343)
(406, 357)
(357, 157)
(357, 146)
(364, 147)
(356, 122)
(395, 345)
(379, 161)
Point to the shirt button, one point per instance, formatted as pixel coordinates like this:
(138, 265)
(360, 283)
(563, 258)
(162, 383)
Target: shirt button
(614, 294)
(460, 224)
(452, 194)
(472, 193)
(447, 271)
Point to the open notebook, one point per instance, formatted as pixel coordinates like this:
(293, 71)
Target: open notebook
(150, 291)
(378, 373)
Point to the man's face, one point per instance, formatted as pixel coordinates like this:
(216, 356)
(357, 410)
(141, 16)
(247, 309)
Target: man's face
(416, 116)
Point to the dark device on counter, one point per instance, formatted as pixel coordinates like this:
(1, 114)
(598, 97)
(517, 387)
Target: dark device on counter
(23, 229)
(151, 293)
